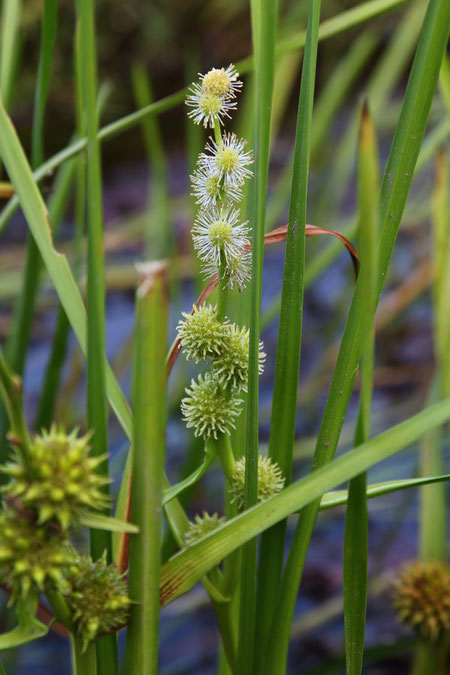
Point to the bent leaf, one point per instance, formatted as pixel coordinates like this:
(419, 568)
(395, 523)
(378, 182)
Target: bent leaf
(175, 490)
(274, 237)
(29, 628)
(100, 522)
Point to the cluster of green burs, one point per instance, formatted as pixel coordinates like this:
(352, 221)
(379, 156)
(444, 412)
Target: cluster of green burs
(51, 485)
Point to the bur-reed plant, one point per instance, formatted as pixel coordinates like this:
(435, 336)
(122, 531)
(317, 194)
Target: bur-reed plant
(57, 482)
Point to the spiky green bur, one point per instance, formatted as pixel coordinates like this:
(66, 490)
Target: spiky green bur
(32, 556)
(270, 480)
(201, 333)
(208, 409)
(60, 481)
(202, 526)
(231, 365)
(97, 597)
(422, 598)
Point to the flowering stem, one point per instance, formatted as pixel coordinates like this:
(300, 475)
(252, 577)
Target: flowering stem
(218, 133)
(226, 455)
(60, 608)
(83, 663)
(222, 288)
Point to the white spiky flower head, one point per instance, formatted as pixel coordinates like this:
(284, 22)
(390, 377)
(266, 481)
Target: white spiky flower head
(208, 409)
(213, 98)
(207, 108)
(219, 230)
(221, 81)
(201, 333)
(231, 365)
(270, 480)
(208, 186)
(228, 158)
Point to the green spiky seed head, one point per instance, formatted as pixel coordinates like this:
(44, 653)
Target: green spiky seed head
(97, 597)
(231, 365)
(60, 481)
(201, 333)
(270, 480)
(208, 409)
(422, 598)
(202, 526)
(32, 556)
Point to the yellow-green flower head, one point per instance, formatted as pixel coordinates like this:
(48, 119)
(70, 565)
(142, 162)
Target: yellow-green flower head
(422, 598)
(32, 556)
(60, 480)
(202, 526)
(208, 409)
(270, 480)
(208, 187)
(221, 82)
(231, 365)
(229, 159)
(201, 333)
(97, 597)
(219, 230)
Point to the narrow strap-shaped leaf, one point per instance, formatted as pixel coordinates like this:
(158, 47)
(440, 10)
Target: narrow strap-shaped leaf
(285, 393)
(175, 490)
(100, 522)
(264, 15)
(356, 546)
(149, 400)
(185, 569)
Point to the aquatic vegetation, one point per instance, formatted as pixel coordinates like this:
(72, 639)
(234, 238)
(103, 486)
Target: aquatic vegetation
(145, 551)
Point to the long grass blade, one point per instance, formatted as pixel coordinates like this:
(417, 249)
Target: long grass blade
(394, 191)
(433, 521)
(9, 43)
(17, 343)
(100, 540)
(185, 569)
(149, 403)
(264, 22)
(356, 524)
(284, 407)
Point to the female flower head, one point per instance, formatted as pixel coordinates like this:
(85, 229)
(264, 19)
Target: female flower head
(231, 365)
(201, 333)
(208, 409)
(270, 480)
